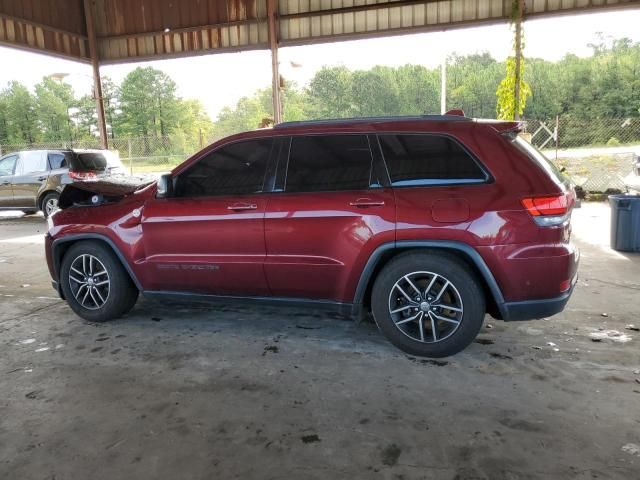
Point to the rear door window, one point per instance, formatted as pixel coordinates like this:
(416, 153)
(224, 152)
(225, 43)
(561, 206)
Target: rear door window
(57, 160)
(33, 162)
(428, 159)
(320, 163)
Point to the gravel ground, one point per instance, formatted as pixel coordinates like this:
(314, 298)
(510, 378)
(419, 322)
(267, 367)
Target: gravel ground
(195, 392)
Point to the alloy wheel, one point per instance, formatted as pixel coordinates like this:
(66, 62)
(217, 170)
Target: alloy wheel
(50, 206)
(89, 281)
(425, 306)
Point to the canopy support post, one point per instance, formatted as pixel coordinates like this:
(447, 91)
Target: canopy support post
(518, 52)
(272, 7)
(97, 82)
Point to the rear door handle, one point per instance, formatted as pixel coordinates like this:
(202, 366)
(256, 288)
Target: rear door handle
(367, 202)
(242, 206)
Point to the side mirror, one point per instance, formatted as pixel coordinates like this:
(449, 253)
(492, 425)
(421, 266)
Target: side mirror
(165, 186)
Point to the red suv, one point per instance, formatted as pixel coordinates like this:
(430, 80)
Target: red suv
(430, 222)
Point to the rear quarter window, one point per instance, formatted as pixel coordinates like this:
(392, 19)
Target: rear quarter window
(428, 159)
(539, 159)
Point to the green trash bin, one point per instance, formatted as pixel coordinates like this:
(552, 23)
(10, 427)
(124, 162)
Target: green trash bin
(625, 222)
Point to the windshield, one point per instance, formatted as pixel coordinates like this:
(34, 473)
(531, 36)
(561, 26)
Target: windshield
(96, 161)
(537, 156)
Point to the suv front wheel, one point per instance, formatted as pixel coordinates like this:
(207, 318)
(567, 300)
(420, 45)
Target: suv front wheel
(94, 282)
(429, 305)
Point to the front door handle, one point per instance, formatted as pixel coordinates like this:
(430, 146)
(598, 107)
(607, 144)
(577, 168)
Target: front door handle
(367, 202)
(242, 206)
(40, 179)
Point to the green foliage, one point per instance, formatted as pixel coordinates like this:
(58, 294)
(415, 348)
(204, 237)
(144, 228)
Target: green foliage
(508, 100)
(329, 94)
(471, 84)
(18, 115)
(506, 107)
(148, 102)
(54, 100)
(248, 114)
(145, 104)
(587, 93)
(579, 89)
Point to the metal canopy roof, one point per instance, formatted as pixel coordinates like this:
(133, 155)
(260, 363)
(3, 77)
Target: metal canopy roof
(134, 30)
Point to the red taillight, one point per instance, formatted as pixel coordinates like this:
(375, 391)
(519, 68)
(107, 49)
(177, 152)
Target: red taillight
(541, 206)
(83, 176)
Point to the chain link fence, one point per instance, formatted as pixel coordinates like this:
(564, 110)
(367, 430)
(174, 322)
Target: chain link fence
(596, 154)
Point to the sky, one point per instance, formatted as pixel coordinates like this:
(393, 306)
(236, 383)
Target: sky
(220, 80)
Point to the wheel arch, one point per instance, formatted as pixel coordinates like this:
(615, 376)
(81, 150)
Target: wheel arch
(60, 247)
(384, 253)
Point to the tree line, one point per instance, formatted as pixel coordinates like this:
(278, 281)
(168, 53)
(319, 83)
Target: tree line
(585, 92)
(144, 104)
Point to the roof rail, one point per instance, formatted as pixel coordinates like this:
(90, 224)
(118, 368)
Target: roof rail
(337, 121)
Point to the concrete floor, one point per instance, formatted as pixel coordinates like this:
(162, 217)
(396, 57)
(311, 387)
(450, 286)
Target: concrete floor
(184, 392)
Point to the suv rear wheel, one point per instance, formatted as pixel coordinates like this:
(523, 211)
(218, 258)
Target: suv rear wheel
(95, 284)
(429, 305)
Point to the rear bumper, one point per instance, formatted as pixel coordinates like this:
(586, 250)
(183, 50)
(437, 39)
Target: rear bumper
(535, 309)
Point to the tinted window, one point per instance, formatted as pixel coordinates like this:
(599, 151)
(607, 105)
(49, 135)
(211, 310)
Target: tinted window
(57, 160)
(8, 165)
(537, 156)
(236, 169)
(33, 162)
(329, 162)
(95, 161)
(428, 159)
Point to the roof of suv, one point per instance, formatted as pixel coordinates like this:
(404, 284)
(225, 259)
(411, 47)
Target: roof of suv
(371, 120)
(56, 150)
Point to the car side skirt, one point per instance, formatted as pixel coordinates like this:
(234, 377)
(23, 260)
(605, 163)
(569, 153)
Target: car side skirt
(346, 309)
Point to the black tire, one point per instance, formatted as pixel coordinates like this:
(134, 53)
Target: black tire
(122, 294)
(466, 288)
(46, 201)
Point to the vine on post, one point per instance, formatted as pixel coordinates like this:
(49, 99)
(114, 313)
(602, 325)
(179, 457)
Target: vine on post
(513, 91)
